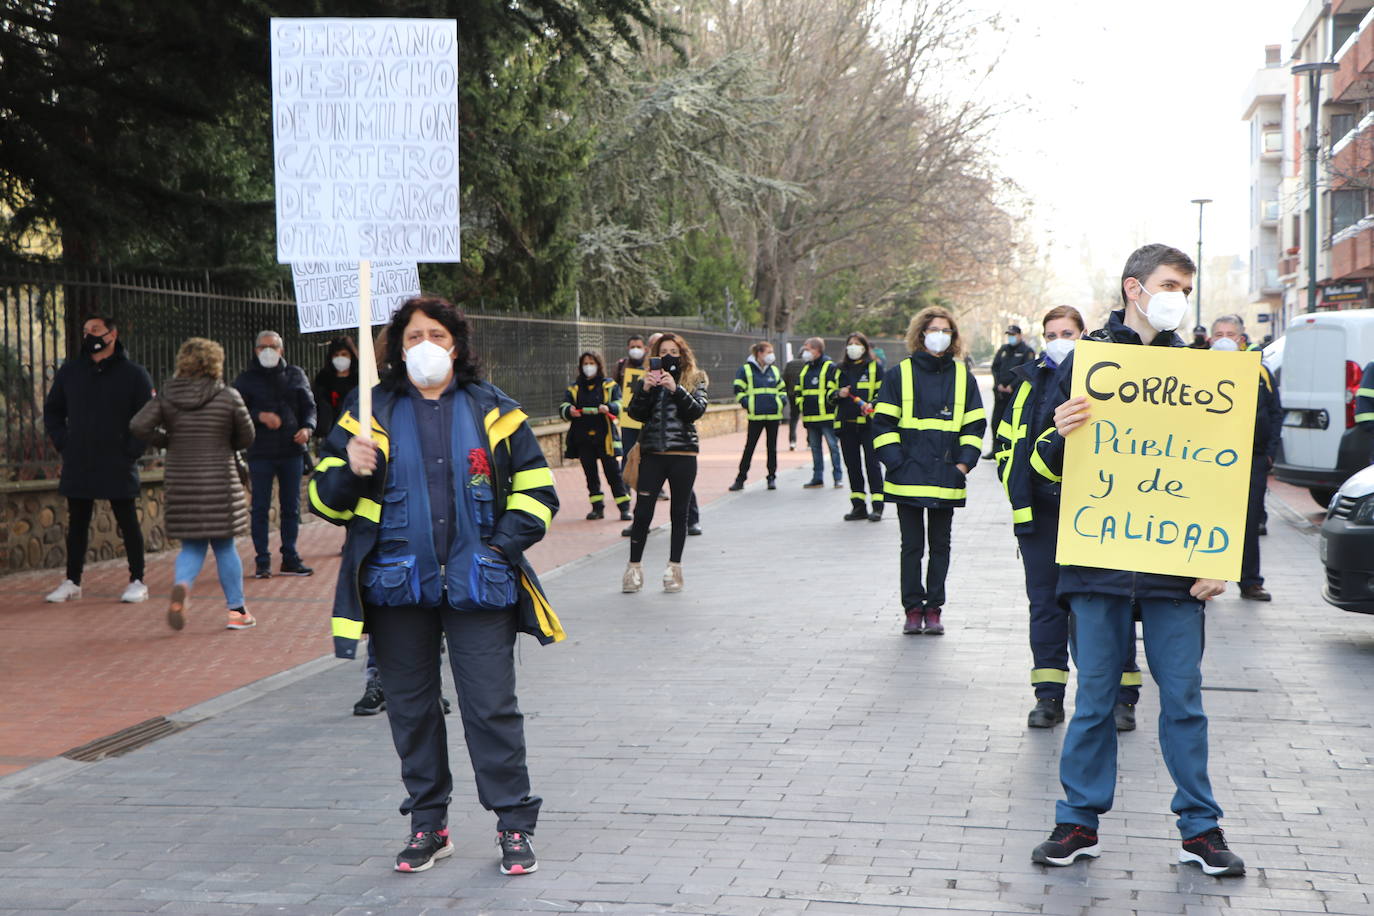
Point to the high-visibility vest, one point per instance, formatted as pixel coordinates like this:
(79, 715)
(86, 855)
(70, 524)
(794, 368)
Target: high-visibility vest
(816, 381)
(749, 392)
(867, 390)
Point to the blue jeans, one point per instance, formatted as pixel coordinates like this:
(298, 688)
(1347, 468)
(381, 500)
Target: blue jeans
(287, 472)
(192, 558)
(1100, 634)
(814, 432)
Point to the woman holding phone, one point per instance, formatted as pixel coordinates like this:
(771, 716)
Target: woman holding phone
(668, 401)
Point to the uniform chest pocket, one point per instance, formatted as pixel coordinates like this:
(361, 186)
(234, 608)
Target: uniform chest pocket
(391, 583)
(395, 513)
(491, 583)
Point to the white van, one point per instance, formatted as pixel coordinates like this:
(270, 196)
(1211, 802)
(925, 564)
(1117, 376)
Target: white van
(1324, 356)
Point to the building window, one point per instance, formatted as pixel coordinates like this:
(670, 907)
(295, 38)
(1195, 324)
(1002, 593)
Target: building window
(1341, 124)
(1347, 209)
(1273, 141)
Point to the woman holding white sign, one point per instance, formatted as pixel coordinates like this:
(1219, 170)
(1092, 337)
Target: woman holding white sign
(928, 424)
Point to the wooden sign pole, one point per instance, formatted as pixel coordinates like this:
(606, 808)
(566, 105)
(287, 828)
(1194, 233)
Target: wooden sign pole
(367, 361)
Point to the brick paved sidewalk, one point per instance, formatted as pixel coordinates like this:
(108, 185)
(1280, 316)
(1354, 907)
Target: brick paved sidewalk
(764, 742)
(75, 672)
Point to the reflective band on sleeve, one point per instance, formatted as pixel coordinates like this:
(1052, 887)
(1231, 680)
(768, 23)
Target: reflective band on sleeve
(313, 492)
(1038, 465)
(1049, 676)
(1364, 417)
(329, 462)
(504, 426)
(886, 439)
(975, 441)
(531, 479)
(350, 423)
(919, 490)
(530, 505)
(1131, 679)
(887, 410)
(369, 509)
(975, 415)
(347, 628)
(1364, 393)
(1022, 515)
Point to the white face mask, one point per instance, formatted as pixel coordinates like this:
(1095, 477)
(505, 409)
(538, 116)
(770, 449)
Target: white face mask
(268, 357)
(341, 363)
(636, 353)
(1225, 343)
(807, 356)
(769, 359)
(428, 364)
(937, 342)
(1059, 349)
(589, 370)
(1166, 309)
(854, 351)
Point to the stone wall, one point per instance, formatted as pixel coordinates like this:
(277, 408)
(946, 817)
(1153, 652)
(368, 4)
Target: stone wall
(33, 523)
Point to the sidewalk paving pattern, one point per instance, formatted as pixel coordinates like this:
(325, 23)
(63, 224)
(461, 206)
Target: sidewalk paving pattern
(765, 742)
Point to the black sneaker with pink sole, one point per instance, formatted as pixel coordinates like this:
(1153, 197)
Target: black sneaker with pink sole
(517, 855)
(422, 849)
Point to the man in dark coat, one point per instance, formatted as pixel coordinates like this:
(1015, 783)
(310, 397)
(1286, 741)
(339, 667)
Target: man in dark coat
(282, 406)
(1011, 356)
(87, 414)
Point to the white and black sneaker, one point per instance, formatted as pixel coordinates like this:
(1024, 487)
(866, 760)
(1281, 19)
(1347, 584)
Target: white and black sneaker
(422, 849)
(517, 855)
(1210, 852)
(1066, 845)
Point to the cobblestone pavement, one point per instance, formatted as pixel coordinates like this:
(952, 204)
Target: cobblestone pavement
(764, 742)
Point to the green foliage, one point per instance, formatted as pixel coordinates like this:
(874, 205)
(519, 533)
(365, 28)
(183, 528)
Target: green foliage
(706, 276)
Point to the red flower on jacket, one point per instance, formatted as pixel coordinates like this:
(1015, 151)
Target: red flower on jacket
(479, 469)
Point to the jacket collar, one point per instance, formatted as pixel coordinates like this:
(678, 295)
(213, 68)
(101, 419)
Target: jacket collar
(1118, 331)
(931, 362)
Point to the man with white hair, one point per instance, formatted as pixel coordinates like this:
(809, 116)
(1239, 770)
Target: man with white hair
(282, 406)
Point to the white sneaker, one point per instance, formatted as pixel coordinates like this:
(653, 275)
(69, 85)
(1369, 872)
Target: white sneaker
(672, 578)
(135, 593)
(67, 591)
(633, 580)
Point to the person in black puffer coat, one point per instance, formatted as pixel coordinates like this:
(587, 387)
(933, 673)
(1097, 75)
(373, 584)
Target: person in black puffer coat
(668, 401)
(87, 413)
(335, 381)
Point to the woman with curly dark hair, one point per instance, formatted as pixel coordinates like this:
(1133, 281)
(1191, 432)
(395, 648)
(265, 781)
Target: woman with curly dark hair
(442, 496)
(336, 380)
(591, 405)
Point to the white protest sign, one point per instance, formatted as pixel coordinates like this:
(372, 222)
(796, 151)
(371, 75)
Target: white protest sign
(327, 292)
(365, 139)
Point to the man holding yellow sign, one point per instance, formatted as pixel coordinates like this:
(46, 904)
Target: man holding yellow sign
(1154, 449)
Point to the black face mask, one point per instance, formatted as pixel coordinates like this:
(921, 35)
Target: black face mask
(672, 365)
(92, 344)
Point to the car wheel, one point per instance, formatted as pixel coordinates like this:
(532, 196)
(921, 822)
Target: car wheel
(1322, 495)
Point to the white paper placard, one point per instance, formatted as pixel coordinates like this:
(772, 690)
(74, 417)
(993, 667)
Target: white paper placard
(365, 139)
(327, 292)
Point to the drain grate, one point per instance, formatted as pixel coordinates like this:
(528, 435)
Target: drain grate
(126, 739)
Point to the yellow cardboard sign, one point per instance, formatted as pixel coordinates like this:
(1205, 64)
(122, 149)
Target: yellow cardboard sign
(1158, 480)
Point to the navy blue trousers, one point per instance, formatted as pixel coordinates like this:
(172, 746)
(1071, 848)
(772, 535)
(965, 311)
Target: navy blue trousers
(1049, 622)
(1250, 558)
(481, 650)
(286, 472)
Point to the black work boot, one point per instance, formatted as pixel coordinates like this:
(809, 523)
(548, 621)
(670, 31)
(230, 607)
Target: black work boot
(858, 513)
(1048, 713)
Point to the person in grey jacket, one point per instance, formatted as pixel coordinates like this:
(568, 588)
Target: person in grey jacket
(202, 423)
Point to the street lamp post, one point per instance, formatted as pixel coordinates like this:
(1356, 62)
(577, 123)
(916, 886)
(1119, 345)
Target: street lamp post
(1314, 73)
(1197, 291)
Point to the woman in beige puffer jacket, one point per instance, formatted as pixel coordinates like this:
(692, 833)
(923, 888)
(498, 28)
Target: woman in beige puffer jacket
(202, 423)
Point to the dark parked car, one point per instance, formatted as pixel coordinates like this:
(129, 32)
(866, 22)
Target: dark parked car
(1347, 545)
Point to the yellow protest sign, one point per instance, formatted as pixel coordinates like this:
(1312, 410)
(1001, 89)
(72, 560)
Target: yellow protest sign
(1157, 481)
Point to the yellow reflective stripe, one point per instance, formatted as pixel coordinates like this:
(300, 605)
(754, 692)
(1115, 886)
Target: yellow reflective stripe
(369, 509)
(314, 494)
(919, 490)
(1363, 417)
(975, 441)
(379, 435)
(886, 439)
(329, 461)
(1049, 676)
(877, 497)
(1004, 429)
(961, 396)
(910, 422)
(549, 623)
(1038, 465)
(1364, 393)
(504, 426)
(530, 505)
(597, 498)
(887, 410)
(1021, 515)
(974, 415)
(1131, 679)
(532, 478)
(347, 627)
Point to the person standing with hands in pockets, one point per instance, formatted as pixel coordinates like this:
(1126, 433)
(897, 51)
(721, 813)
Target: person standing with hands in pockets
(1155, 286)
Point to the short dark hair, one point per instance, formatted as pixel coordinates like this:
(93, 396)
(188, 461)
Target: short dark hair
(107, 320)
(1147, 258)
(465, 363)
(633, 337)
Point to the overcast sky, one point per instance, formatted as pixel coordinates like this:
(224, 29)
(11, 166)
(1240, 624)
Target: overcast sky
(1125, 111)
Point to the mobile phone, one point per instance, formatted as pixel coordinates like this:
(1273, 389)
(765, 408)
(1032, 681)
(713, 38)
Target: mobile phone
(655, 362)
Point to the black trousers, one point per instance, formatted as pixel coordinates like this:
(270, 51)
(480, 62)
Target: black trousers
(1049, 622)
(611, 467)
(793, 415)
(679, 472)
(759, 428)
(1250, 557)
(480, 650)
(79, 513)
(999, 407)
(919, 525)
(856, 444)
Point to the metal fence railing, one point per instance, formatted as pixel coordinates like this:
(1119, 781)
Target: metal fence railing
(41, 307)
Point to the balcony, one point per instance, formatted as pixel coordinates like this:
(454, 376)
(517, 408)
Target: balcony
(1352, 82)
(1353, 155)
(1289, 266)
(1269, 213)
(1352, 251)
